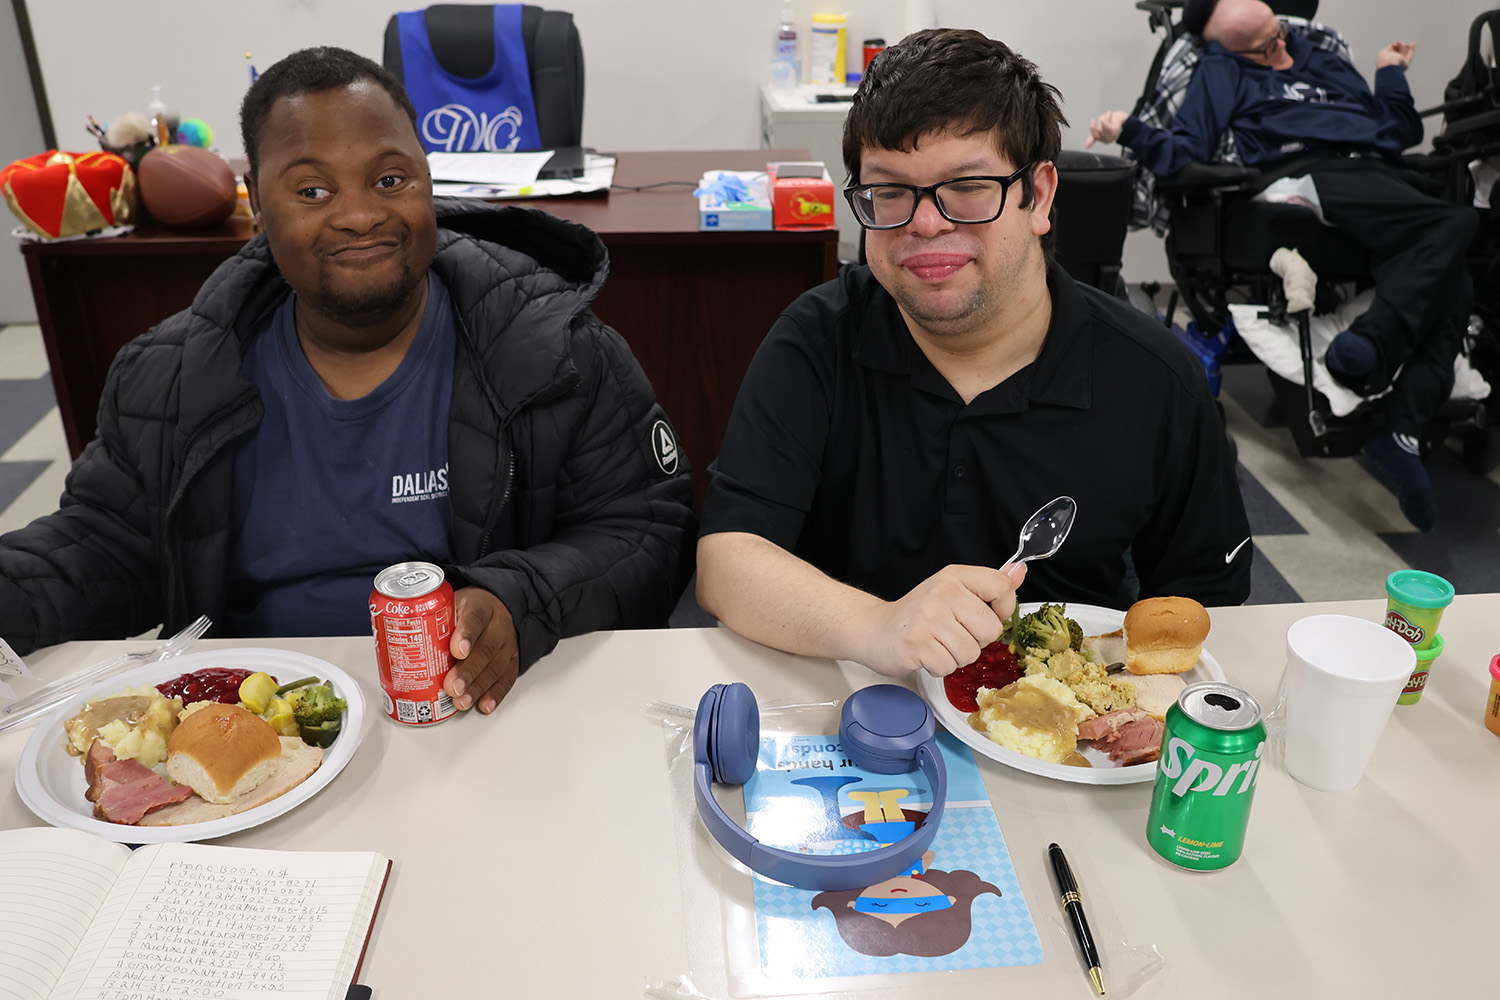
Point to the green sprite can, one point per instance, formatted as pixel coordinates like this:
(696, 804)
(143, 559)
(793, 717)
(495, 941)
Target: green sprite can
(1211, 751)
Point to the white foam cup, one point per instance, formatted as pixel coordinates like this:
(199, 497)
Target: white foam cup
(1343, 676)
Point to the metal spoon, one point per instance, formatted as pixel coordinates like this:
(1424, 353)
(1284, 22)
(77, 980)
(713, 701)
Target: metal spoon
(1044, 532)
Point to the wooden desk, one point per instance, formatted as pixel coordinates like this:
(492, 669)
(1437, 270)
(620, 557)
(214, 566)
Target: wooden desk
(693, 306)
(546, 847)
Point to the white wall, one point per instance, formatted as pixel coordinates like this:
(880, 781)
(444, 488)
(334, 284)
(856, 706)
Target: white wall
(20, 137)
(661, 74)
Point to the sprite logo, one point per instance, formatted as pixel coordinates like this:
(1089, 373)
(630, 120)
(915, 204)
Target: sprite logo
(1194, 774)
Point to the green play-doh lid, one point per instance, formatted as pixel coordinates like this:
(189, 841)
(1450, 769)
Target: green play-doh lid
(1426, 656)
(1419, 589)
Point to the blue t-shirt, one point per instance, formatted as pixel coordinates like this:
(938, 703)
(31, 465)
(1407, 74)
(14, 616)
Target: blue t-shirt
(328, 492)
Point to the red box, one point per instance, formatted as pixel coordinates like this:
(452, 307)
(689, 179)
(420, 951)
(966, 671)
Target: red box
(801, 196)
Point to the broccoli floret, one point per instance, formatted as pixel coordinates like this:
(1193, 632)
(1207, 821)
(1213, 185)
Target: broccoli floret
(1045, 628)
(318, 707)
(319, 715)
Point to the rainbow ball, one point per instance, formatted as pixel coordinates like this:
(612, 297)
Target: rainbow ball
(195, 132)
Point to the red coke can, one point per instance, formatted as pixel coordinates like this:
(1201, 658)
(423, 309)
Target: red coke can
(411, 613)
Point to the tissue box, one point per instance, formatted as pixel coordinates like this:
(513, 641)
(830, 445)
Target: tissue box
(801, 195)
(716, 213)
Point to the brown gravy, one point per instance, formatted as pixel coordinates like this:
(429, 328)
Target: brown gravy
(98, 714)
(1026, 708)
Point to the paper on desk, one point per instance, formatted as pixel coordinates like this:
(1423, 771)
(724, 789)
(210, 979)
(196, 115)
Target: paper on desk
(509, 169)
(598, 175)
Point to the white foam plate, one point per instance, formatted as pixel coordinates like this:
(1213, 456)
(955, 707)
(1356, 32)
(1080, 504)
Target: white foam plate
(51, 782)
(1095, 621)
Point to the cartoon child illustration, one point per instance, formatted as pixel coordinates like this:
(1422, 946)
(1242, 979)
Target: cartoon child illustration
(924, 915)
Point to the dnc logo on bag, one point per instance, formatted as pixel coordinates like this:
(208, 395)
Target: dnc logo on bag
(455, 128)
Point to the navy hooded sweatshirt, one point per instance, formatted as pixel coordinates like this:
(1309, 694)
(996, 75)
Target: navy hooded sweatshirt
(1321, 101)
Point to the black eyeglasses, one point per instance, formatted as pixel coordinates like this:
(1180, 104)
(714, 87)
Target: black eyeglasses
(967, 201)
(1265, 50)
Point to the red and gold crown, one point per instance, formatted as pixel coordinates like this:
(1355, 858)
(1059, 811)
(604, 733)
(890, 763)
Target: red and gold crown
(65, 194)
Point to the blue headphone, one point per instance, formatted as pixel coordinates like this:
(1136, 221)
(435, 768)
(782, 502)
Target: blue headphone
(883, 728)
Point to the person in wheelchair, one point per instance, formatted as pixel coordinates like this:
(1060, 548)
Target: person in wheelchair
(1283, 98)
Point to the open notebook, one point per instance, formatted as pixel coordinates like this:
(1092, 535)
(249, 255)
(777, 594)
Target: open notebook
(85, 919)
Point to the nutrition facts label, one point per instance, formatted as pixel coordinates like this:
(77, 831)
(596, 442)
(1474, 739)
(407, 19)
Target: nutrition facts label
(418, 649)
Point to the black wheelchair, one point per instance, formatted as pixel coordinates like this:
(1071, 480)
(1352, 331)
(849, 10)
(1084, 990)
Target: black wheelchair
(1219, 239)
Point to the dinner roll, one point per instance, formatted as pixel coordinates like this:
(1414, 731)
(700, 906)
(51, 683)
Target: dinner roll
(222, 752)
(1164, 635)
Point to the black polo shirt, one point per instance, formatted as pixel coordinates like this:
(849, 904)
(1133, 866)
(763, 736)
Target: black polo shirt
(849, 449)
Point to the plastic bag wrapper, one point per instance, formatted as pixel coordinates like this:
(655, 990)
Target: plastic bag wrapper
(725, 188)
(1300, 191)
(719, 902)
(1297, 278)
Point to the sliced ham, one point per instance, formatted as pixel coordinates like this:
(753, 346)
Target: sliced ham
(98, 757)
(1137, 741)
(123, 791)
(1142, 756)
(1102, 727)
(1128, 735)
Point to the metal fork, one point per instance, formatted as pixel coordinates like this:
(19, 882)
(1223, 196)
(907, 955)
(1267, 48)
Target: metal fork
(49, 696)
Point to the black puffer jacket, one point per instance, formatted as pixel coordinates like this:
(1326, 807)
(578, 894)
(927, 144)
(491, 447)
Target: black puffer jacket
(562, 506)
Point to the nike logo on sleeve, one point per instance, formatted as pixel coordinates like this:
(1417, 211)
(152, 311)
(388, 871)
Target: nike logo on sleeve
(1234, 552)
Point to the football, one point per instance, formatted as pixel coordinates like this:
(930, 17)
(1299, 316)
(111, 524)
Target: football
(186, 186)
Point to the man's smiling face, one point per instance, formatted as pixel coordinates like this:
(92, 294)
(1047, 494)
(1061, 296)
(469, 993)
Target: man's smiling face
(951, 278)
(343, 193)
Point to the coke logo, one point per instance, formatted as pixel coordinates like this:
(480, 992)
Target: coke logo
(1405, 629)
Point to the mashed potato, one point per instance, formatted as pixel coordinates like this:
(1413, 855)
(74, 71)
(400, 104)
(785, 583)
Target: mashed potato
(1037, 716)
(135, 723)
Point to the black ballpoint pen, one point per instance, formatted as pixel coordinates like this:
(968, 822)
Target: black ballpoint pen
(1073, 904)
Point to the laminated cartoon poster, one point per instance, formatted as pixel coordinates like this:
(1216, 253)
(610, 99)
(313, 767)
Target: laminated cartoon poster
(960, 907)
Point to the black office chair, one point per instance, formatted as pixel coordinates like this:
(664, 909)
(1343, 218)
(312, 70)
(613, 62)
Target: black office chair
(1219, 240)
(1091, 215)
(462, 38)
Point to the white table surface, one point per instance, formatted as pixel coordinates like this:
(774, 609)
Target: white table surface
(537, 850)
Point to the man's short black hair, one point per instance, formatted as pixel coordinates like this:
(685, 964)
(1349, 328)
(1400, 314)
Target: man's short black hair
(949, 79)
(312, 71)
